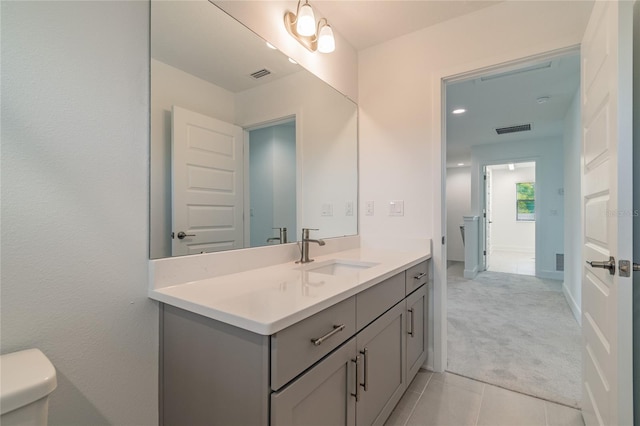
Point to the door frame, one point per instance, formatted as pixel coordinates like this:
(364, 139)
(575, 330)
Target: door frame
(440, 79)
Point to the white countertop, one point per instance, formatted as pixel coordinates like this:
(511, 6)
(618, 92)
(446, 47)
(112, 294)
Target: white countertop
(267, 300)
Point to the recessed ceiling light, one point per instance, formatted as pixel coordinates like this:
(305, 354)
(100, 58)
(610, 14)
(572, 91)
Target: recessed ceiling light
(271, 46)
(292, 61)
(459, 111)
(460, 164)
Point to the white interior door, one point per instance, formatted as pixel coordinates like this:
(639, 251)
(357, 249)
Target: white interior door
(606, 89)
(487, 217)
(207, 183)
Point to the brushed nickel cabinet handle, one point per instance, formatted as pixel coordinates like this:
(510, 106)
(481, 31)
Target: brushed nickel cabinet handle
(420, 276)
(356, 360)
(365, 356)
(336, 329)
(411, 322)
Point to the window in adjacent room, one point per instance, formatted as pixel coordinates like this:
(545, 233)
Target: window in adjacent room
(525, 201)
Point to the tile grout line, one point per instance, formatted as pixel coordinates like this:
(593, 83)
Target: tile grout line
(484, 386)
(418, 400)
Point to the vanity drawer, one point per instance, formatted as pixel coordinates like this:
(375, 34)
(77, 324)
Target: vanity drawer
(416, 276)
(292, 349)
(376, 300)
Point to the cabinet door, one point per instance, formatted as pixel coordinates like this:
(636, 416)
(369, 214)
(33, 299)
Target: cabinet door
(417, 304)
(381, 347)
(325, 395)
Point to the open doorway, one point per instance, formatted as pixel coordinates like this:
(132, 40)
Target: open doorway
(511, 321)
(509, 218)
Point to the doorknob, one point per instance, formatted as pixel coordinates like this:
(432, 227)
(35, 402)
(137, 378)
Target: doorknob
(182, 235)
(604, 264)
(626, 267)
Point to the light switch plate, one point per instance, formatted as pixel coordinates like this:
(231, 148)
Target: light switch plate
(396, 208)
(369, 208)
(348, 208)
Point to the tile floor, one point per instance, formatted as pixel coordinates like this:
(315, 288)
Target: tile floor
(449, 399)
(513, 263)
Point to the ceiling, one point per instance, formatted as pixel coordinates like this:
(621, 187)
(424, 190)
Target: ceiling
(366, 23)
(512, 98)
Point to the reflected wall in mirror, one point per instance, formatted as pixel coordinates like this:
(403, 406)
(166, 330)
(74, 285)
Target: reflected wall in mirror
(236, 157)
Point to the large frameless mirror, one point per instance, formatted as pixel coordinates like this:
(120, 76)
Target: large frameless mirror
(246, 147)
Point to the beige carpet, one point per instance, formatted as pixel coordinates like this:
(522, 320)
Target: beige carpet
(516, 332)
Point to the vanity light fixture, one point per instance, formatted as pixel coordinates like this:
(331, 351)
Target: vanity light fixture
(302, 26)
(459, 111)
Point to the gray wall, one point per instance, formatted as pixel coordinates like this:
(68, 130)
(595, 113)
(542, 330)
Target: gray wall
(74, 204)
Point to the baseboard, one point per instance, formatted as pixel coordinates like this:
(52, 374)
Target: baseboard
(471, 273)
(575, 309)
(551, 275)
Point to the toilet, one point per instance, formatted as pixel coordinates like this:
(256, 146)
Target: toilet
(26, 380)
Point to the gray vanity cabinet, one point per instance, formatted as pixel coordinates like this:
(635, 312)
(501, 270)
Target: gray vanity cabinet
(417, 308)
(322, 396)
(348, 364)
(381, 347)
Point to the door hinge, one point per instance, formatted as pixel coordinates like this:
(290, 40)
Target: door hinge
(442, 240)
(484, 252)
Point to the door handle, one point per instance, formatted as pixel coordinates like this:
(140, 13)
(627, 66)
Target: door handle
(365, 354)
(356, 361)
(182, 235)
(604, 264)
(626, 267)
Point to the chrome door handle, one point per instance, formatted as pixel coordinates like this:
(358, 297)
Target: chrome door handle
(626, 267)
(182, 235)
(604, 264)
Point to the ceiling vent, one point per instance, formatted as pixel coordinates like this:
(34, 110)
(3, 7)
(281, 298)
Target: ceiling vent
(259, 74)
(513, 129)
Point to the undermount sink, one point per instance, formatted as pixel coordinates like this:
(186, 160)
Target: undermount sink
(338, 267)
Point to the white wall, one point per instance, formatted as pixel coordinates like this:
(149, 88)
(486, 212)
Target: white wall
(326, 124)
(572, 286)
(75, 223)
(549, 227)
(636, 207)
(507, 233)
(458, 205)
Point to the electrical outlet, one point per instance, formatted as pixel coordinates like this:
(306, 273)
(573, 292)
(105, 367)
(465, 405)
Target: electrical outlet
(327, 209)
(369, 208)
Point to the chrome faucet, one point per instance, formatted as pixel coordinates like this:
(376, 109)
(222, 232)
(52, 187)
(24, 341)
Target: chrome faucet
(282, 238)
(304, 253)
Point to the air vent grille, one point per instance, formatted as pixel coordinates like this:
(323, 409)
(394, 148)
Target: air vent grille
(513, 129)
(559, 261)
(261, 73)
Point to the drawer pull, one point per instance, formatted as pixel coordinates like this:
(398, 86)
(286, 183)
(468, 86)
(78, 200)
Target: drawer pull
(419, 276)
(365, 355)
(356, 360)
(411, 322)
(336, 329)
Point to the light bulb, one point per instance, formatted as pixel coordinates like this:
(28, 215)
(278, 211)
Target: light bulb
(326, 42)
(306, 25)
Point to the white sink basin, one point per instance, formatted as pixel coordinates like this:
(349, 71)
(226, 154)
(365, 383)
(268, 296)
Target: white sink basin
(338, 267)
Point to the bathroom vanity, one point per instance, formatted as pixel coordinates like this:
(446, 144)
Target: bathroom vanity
(335, 341)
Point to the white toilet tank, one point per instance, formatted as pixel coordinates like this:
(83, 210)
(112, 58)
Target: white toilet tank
(26, 380)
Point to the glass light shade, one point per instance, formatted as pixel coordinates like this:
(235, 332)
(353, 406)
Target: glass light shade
(326, 42)
(306, 25)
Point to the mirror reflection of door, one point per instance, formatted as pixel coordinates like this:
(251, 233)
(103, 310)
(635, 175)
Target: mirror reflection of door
(272, 183)
(207, 184)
